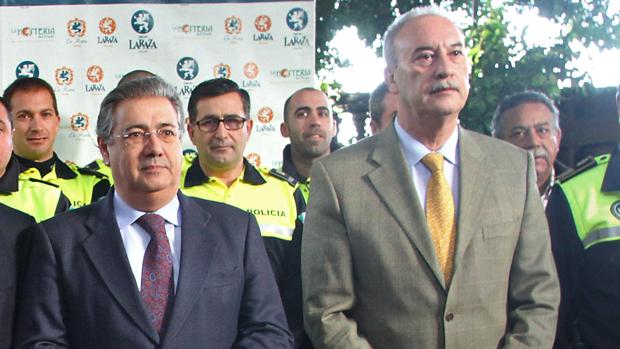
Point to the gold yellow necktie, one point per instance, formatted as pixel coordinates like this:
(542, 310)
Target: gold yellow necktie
(440, 214)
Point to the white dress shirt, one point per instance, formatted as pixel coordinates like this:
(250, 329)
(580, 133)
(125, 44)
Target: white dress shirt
(136, 239)
(414, 152)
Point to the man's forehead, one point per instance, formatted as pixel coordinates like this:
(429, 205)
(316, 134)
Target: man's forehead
(430, 31)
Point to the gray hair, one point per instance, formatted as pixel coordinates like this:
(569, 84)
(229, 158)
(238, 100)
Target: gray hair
(390, 34)
(146, 87)
(518, 99)
(376, 104)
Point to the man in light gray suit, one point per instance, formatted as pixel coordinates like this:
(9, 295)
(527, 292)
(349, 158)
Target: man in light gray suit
(379, 270)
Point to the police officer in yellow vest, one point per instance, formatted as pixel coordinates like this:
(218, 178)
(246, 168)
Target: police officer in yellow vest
(37, 198)
(310, 126)
(32, 103)
(584, 220)
(220, 126)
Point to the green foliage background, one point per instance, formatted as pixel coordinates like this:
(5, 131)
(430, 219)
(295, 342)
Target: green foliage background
(503, 63)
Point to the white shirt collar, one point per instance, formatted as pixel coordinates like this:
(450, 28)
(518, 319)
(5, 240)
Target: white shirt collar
(415, 151)
(127, 215)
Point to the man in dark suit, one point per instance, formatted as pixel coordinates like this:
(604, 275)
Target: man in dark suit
(148, 267)
(13, 247)
(427, 235)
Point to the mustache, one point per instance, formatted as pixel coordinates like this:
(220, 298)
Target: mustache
(539, 153)
(444, 85)
(155, 161)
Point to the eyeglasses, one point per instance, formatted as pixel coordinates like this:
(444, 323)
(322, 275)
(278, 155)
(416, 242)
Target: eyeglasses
(210, 124)
(138, 137)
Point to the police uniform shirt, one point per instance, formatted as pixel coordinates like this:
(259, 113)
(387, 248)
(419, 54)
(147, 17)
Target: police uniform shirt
(584, 221)
(81, 186)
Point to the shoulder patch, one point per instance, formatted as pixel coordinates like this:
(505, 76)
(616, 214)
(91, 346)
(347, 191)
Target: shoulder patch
(581, 167)
(283, 176)
(44, 182)
(90, 172)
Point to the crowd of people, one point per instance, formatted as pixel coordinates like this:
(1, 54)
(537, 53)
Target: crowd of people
(425, 235)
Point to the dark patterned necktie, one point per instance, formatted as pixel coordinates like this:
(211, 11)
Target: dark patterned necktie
(157, 285)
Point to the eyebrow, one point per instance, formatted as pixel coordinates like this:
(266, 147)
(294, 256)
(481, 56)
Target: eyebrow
(433, 48)
(213, 116)
(544, 123)
(307, 108)
(145, 127)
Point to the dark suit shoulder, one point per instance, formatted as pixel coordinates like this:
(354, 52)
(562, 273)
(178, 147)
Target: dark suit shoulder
(14, 220)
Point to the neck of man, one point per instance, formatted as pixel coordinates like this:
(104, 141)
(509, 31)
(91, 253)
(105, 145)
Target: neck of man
(431, 130)
(303, 164)
(226, 174)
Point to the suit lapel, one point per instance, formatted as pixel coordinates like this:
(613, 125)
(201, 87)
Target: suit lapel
(393, 183)
(105, 249)
(473, 184)
(197, 251)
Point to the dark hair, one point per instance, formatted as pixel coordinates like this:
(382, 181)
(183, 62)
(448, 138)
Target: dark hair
(147, 87)
(134, 75)
(376, 106)
(29, 84)
(288, 100)
(214, 88)
(516, 100)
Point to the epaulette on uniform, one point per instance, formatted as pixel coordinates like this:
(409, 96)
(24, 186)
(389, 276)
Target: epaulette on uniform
(44, 182)
(581, 167)
(90, 172)
(283, 176)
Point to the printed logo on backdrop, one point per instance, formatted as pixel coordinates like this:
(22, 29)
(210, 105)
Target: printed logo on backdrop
(187, 68)
(76, 28)
(254, 159)
(250, 71)
(142, 23)
(79, 126)
(221, 71)
(64, 79)
(194, 30)
(233, 27)
(291, 74)
(33, 33)
(264, 116)
(27, 69)
(262, 24)
(95, 75)
(107, 27)
(297, 20)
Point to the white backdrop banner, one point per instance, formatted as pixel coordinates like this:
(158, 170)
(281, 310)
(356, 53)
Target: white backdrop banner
(82, 50)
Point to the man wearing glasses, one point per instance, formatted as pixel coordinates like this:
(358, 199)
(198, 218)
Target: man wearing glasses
(146, 266)
(220, 126)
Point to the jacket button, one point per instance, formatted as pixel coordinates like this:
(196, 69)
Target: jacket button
(449, 317)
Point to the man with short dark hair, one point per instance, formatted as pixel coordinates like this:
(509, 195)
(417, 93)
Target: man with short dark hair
(220, 126)
(382, 107)
(427, 235)
(146, 266)
(34, 197)
(530, 120)
(32, 103)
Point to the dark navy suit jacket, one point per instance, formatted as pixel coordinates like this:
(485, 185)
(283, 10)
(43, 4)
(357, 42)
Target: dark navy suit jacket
(13, 247)
(79, 291)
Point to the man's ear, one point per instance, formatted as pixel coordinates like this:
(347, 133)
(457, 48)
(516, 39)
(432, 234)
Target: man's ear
(388, 76)
(103, 149)
(284, 131)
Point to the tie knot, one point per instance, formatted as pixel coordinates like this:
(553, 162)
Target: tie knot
(433, 161)
(154, 224)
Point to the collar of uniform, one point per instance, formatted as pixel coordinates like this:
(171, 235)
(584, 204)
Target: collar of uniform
(611, 182)
(63, 170)
(195, 175)
(9, 182)
(288, 167)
